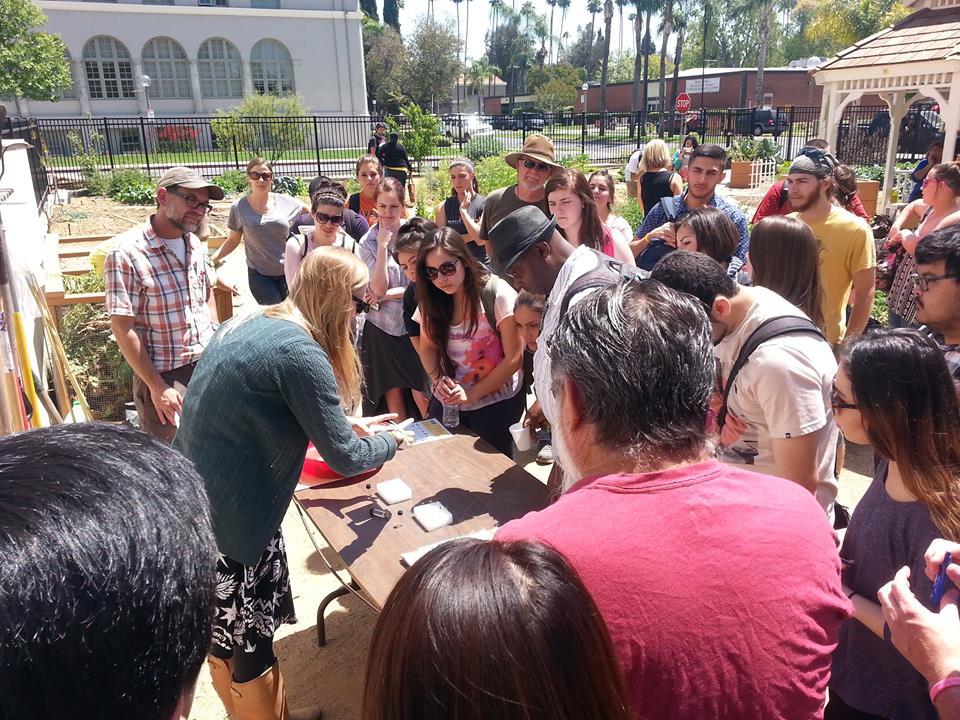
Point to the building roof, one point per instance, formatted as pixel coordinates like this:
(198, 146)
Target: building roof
(927, 35)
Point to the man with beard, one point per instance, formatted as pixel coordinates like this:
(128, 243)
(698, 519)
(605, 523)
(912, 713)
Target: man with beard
(705, 171)
(157, 288)
(938, 293)
(848, 257)
(720, 588)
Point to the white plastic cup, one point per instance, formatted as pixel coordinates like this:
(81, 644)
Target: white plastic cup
(521, 437)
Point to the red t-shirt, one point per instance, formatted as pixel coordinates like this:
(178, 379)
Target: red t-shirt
(770, 205)
(720, 587)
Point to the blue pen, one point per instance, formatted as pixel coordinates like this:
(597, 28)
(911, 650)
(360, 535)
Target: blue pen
(940, 584)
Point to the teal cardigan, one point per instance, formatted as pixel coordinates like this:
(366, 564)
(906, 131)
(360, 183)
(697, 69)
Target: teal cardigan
(262, 388)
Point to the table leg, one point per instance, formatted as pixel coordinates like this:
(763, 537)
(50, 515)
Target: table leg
(322, 608)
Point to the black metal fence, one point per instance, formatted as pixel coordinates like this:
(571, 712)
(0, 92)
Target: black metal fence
(330, 145)
(27, 130)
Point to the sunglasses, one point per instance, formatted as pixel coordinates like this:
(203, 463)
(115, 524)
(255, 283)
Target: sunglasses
(361, 305)
(835, 401)
(446, 269)
(323, 218)
(927, 180)
(260, 175)
(533, 164)
(924, 281)
(191, 201)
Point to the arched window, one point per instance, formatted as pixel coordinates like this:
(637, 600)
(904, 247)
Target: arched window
(220, 70)
(166, 64)
(109, 71)
(70, 92)
(271, 68)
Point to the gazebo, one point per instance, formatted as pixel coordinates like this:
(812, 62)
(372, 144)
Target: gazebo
(915, 59)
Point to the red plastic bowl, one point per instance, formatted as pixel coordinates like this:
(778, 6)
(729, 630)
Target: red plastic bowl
(317, 472)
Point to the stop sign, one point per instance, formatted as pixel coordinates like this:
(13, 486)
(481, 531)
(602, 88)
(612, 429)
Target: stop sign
(683, 102)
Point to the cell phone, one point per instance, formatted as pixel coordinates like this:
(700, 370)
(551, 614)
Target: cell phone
(940, 583)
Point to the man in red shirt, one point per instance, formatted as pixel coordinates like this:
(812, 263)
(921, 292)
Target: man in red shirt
(720, 588)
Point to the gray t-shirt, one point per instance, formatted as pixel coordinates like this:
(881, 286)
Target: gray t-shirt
(502, 202)
(265, 236)
(883, 536)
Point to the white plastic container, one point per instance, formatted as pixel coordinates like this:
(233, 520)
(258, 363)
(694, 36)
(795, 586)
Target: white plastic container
(521, 437)
(432, 516)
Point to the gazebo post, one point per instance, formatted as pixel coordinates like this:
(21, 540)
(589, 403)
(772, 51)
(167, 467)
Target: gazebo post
(952, 119)
(896, 102)
(830, 134)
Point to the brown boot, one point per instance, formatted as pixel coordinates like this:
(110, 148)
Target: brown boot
(263, 698)
(221, 672)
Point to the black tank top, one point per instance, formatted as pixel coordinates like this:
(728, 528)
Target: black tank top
(451, 209)
(653, 187)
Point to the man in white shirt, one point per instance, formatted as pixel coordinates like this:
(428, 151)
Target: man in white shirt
(779, 410)
(631, 173)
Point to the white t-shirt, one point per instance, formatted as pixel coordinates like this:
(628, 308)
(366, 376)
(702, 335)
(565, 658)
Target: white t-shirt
(293, 252)
(178, 247)
(620, 228)
(580, 262)
(783, 391)
(477, 355)
(632, 167)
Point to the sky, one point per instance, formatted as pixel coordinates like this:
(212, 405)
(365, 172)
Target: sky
(480, 18)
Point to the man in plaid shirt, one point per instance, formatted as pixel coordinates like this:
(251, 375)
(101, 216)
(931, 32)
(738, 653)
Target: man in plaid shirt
(938, 293)
(157, 292)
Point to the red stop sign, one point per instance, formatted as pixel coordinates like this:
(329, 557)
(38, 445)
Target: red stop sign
(683, 102)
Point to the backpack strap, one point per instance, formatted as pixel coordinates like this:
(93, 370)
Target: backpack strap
(488, 299)
(767, 330)
(784, 195)
(607, 272)
(353, 202)
(669, 207)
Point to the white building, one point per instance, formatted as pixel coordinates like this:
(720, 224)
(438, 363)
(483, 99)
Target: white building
(202, 55)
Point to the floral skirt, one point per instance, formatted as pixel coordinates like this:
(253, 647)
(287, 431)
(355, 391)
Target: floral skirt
(253, 600)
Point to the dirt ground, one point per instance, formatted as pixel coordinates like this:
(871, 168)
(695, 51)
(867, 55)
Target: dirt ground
(329, 677)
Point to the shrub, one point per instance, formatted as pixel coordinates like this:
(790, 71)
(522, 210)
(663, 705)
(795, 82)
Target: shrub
(262, 125)
(131, 187)
(578, 162)
(493, 173)
(88, 160)
(435, 187)
(482, 147)
(232, 181)
(419, 131)
(352, 185)
(631, 211)
(177, 138)
(289, 185)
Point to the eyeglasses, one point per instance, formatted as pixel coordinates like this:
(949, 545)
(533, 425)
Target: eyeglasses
(268, 176)
(361, 305)
(924, 281)
(533, 164)
(835, 401)
(446, 269)
(192, 202)
(927, 180)
(332, 219)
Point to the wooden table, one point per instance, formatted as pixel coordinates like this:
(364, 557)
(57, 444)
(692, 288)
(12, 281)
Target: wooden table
(482, 489)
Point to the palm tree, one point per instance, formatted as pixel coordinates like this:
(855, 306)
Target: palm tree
(620, 5)
(593, 7)
(480, 72)
(459, 75)
(643, 49)
(495, 7)
(466, 32)
(680, 30)
(607, 23)
(553, 6)
(563, 5)
(666, 27)
(765, 11)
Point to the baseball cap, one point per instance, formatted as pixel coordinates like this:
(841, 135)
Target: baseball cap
(190, 179)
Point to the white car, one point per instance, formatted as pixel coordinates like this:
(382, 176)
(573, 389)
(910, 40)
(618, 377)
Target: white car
(464, 127)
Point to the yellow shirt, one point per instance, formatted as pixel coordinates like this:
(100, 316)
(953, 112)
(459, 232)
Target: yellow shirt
(846, 248)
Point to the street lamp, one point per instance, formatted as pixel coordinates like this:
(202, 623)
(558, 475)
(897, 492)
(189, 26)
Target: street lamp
(374, 107)
(583, 118)
(146, 82)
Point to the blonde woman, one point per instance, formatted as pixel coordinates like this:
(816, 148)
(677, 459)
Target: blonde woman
(266, 384)
(261, 219)
(658, 180)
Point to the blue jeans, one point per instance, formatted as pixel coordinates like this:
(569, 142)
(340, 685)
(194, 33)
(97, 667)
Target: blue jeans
(266, 289)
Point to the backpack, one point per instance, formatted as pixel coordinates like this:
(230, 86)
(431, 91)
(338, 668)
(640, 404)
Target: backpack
(784, 195)
(767, 330)
(658, 248)
(353, 202)
(488, 299)
(607, 272)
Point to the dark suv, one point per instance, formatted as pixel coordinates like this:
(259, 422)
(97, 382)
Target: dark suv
(522, 121)
(758, 121)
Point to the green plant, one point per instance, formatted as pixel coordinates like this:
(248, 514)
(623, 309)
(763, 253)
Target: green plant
(131, 187)
(87, 157)
(578, 162)
(434, 187)
(352, 185)
(263, 125)
(493, 173)
(232, 181)
(748, 149)
(420, 134)
(289, 185)
(880, 312)
(631, 211)
(870, 172)
(482, 147)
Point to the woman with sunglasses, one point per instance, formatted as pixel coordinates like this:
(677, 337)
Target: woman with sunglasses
(265, 385)
(893, 391)
(470, 342)
(578, 220)
(390, 363)
(603, 188)
(462, 210)
(328, 214)
(940, 198)
(261, 219)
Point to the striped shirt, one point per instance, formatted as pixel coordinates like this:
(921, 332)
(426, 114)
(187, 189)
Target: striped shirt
(168, 298)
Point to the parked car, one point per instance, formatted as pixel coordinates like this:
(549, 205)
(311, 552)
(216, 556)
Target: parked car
(531, 122)
(759, 121)
(463, 127)
(920, 127)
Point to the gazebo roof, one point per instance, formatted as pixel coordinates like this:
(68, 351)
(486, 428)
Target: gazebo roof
(927, 35)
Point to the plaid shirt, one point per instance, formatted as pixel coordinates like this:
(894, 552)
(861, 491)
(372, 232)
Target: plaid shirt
(951, 353)
(145, 280)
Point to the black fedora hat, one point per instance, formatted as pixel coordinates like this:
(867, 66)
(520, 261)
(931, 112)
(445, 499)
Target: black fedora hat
(515, 234)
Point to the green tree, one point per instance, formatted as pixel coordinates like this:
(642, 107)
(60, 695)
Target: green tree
(836, 25)
(564, 72)
(555, 95)
(385, 58)
(33, 64)
(262, 126)
(420, 134)
(391, 13)
(433, 63)
(481, 73)
(369, 8)
(666, 28)
(510, 46)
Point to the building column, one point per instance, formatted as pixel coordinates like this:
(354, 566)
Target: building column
(195, 91)
(896, 102)
(139, 92)
(830, 131)
(952, 119)
(80, 82)
(247, 78)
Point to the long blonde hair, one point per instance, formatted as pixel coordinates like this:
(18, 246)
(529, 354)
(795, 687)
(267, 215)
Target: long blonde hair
(320, 301)
(656, 156)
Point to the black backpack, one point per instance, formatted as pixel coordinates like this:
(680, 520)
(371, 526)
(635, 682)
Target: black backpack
(607, 272)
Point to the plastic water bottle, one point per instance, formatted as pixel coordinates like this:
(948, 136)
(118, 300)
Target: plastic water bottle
(451, 416)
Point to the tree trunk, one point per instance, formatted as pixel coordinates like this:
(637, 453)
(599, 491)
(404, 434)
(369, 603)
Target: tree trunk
(553, 6)
(766, 10)
(637, 71)
(646, 66)
(620, 31)
(466, 32)
(667, 29)
(676, 67)
(608, 24)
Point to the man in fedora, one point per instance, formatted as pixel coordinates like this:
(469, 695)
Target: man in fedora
(157, 288)
(534, 165)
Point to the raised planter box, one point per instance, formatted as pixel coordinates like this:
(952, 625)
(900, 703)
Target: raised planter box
(868, 191)
(750, 174)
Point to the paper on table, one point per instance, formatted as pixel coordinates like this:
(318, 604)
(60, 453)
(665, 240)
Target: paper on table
(409, 558)
(428, 431)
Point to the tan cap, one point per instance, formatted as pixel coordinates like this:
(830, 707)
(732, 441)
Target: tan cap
(536, 146)
(189, 178)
